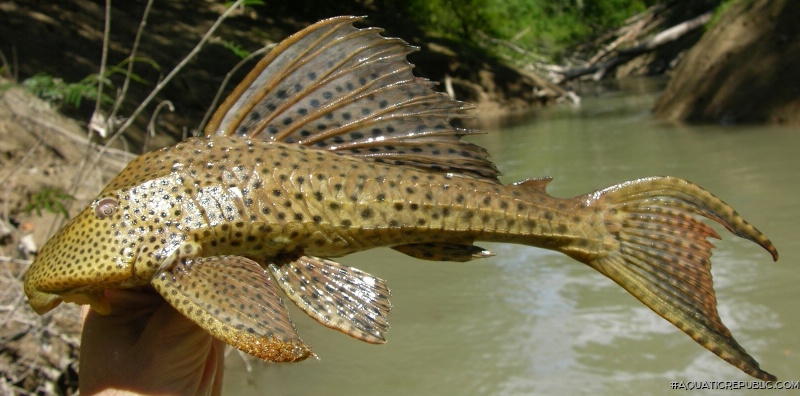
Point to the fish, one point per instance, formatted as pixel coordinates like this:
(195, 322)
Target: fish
(331, 146)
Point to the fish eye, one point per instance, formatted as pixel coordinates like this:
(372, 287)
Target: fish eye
(105, 207)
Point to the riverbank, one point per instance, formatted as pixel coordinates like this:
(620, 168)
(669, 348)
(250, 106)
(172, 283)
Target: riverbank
(745, 69)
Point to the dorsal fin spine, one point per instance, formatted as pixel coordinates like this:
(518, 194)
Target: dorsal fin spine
(217, 119)
(299, 62)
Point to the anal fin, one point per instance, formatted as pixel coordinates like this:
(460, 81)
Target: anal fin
(236, 301)
(337, 296)
(443, 251)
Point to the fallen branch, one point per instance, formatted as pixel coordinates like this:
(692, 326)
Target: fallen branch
(626, 34)
(668, 35)
(599, 69)
(510, 45)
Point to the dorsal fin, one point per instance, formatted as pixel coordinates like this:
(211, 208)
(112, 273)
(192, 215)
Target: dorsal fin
(335, 87)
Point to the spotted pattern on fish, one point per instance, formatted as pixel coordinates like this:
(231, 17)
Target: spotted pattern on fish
(239, 298)
(331, 146)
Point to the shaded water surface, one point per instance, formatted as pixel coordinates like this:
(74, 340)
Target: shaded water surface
(531, 321)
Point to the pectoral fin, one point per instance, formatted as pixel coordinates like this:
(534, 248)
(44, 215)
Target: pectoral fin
(236, 301)
(443, 251)
(337, 296)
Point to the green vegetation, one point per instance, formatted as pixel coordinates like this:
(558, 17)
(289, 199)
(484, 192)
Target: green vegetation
(542, 26)
(52, 200)
(245, 3)
(722, 9)
(235, 48)
(59, 92)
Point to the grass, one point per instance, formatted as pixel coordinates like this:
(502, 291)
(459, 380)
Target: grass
(53, 200)
(59, 92)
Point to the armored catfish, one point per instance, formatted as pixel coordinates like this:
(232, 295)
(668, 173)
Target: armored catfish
(331, 146)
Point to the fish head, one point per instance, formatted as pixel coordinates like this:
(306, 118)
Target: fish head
(119, 241)
(81, 260)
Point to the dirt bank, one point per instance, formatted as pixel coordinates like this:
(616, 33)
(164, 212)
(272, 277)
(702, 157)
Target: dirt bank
(38, 354)
(745, 69)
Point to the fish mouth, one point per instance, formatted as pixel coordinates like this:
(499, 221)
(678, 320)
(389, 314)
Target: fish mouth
(42, 302)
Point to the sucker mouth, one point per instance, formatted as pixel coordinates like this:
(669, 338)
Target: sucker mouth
(95, 299)
(43, 303)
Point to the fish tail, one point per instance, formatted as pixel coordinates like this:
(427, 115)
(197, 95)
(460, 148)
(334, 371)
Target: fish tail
(658, 251)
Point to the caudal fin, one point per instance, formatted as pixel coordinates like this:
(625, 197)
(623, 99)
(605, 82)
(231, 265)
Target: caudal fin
(662, 256)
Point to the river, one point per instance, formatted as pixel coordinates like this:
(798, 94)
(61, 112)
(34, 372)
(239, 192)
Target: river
(531, 321)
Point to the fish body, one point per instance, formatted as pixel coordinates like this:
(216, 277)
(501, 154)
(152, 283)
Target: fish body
(331, 146)
(231, 196)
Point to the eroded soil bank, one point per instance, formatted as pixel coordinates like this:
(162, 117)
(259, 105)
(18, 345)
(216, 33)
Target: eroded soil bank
(745, 69)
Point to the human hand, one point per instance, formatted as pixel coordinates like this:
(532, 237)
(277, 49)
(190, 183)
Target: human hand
(144, 346)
